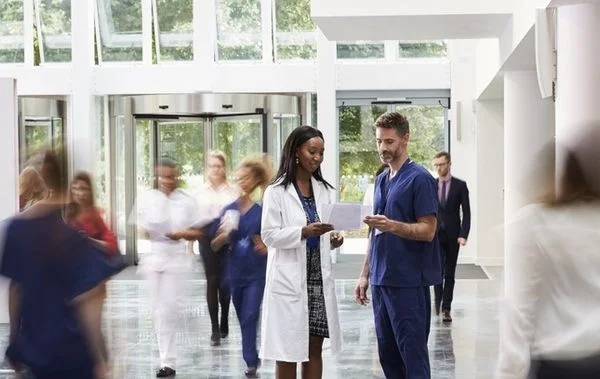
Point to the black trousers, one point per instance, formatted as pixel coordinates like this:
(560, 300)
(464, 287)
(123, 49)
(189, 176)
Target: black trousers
(449, 253)
(588, 368)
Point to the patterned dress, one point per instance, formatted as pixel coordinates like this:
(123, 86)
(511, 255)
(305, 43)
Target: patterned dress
(317, 313)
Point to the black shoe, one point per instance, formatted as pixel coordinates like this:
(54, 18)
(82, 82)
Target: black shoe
(224, 330)
(447, 317)
(165, 372)
(251, 372)
(215, 339)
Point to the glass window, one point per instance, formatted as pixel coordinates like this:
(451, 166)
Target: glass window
(11, 32)
(359, 159)
(361, 50)
(120, 27)
(295, 36)
(422, 49)
(238, 137)
(175, 29)
(54, 27)
(239, 30)
(428, 132)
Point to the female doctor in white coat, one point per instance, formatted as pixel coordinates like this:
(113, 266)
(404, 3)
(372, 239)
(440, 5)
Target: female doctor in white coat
(299, 306)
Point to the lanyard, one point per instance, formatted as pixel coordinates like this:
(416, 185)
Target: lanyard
(311, 212)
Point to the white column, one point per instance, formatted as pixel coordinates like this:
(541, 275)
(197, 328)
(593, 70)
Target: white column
(81, 127)
(327, 112)
(578, 76)
(528, 126)
(9, 157)
(578, 63)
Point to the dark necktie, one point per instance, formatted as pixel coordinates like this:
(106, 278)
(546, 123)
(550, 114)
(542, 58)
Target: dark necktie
(443, 194)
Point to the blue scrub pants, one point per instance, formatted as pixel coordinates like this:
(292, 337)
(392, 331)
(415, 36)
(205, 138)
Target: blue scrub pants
(247, 301)
(402, 318)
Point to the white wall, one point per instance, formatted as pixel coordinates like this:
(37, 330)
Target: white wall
(490, 181)
(463, 124)
(522, 21)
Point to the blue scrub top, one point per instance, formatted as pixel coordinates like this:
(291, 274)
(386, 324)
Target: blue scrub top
(53, 264)
(396, 261)
(244, 264)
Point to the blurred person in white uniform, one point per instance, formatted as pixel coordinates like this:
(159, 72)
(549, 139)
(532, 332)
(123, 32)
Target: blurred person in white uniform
(169, 217)
(212, 197)
(549, 327)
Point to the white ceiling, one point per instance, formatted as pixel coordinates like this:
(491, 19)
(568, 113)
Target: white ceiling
(413, 27)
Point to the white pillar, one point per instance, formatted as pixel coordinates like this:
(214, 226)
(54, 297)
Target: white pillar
(81, 127)
(327, 112)
(528, 126)
(578, 66)
(9, 157)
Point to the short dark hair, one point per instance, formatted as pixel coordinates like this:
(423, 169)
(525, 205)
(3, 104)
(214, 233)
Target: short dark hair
(167, 162)
(393, 120)
(288, 169)
(444, 154)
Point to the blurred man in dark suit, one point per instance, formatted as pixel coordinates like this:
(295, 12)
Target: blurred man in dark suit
(453, 195)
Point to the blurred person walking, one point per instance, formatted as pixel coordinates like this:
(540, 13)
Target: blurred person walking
(83, 215)
(211, 198)
(31, 188)
(55, 296)
(239, 231)
(168, 217)
(549, 323)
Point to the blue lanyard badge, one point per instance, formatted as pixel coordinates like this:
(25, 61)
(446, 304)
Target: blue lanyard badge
(311, 212)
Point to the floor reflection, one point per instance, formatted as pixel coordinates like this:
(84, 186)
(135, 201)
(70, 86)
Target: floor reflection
(465, 348)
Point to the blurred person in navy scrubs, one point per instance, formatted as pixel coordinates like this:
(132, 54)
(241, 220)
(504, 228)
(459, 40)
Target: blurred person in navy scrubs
(403, 259)
(549, 325)
(239, 230)
(57, 278)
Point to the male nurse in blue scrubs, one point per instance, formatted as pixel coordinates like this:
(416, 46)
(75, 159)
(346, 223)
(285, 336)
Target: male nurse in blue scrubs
(403, 258)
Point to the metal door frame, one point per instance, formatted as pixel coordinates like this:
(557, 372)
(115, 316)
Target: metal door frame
(209, 143)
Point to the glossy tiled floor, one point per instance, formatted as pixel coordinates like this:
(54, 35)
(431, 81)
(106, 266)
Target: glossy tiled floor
(465, 349)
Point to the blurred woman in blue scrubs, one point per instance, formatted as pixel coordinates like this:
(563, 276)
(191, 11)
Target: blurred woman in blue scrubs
(239, 229)
(57, 277)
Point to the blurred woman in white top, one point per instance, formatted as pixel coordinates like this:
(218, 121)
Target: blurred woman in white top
(550, 324)
(212, 197)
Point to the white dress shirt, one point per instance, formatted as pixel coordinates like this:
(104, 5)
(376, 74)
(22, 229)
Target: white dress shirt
(552, 284)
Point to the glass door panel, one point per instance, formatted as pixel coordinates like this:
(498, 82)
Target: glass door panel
(184, 142)
(238, 138)
(428, 132)
(38, 133)
(283, 124)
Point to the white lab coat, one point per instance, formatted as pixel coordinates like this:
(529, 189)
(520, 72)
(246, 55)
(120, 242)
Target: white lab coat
(284, 324)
